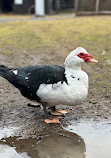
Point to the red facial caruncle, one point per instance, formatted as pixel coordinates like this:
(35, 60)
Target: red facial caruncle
(87, 57)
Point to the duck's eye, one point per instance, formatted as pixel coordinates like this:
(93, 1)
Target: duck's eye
(81, 54)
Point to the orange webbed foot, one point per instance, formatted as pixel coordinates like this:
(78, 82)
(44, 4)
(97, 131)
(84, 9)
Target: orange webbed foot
(54, 120)
(60, 112)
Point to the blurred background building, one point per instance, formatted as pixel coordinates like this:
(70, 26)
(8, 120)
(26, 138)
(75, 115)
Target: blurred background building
(29, 6)
(42, 7)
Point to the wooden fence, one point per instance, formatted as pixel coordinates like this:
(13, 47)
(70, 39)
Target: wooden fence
(92, 7)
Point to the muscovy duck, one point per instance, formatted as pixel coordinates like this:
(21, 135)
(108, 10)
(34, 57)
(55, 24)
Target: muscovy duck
(53, 85)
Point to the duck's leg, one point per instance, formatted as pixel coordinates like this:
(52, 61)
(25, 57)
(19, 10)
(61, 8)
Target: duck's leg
(45, 110)
(58, 112)
(54, 120)
(53, 108)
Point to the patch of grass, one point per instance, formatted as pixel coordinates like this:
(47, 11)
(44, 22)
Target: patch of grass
(91, 33)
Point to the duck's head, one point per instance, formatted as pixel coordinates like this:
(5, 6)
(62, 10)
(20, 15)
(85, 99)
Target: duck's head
(77, 57)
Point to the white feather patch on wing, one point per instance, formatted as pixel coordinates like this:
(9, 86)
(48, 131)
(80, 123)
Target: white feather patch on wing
(26, 78)
(15, 72)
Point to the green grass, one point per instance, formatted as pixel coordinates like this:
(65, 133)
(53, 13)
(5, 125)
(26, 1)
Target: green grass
(92, 33)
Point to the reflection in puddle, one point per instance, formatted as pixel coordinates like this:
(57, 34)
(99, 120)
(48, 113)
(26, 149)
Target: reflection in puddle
(62, 145)
(59, 144)
(9, 152)
(97, 137)
(7, 132)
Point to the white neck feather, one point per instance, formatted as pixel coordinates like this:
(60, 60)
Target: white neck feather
(73, 62)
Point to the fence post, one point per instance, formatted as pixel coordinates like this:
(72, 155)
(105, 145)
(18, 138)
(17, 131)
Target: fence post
(75, 6)
(97, 6)
(39, 7)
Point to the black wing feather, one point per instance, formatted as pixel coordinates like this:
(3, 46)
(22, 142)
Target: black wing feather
(46, 74)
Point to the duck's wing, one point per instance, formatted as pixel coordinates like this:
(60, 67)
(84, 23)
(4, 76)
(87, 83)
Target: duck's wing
(28, 79)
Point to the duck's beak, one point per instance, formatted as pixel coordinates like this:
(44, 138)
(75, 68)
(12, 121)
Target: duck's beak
(89, 58)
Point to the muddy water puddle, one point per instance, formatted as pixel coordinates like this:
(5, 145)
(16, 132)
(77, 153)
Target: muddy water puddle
(53, 145)
(97, 138)
(77, 140)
